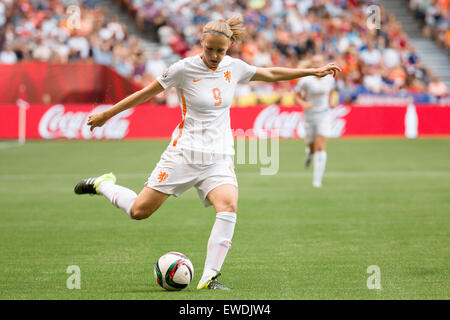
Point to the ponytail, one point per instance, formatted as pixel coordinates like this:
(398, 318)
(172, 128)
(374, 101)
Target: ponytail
(237, 27)
(232, 28)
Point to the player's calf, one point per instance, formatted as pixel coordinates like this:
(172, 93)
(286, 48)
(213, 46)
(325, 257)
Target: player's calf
(148, 201)
(139, 214)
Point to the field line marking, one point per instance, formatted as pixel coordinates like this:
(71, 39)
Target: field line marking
(284, 174)
(8, 145)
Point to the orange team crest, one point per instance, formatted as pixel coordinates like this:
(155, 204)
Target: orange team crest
(227, 76)
(162, 176)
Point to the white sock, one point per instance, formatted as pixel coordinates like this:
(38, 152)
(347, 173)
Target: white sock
(123, 198)
(320, 161)
(218, 244)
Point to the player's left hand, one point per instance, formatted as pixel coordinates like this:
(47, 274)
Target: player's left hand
(331, 68)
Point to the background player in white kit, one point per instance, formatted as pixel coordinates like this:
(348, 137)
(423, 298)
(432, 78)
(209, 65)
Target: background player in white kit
(315, 94)
(202, 146)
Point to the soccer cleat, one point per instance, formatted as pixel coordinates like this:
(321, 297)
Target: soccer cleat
(308, 157)
(317, 184)
(213, 284)
(90, 185)
(308, 160)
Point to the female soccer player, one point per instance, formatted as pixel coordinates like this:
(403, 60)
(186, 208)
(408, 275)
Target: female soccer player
(201, 151)
(315, 95)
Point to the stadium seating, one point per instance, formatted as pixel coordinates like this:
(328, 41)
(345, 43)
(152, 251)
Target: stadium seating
(289, 32)
(46, 31)
(282, 33)
(435, 19)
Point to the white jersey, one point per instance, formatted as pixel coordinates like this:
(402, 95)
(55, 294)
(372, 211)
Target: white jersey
(205, 97)
(317, 91)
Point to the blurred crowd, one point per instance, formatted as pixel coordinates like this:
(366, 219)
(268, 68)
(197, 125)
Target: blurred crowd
(288, 33)
(435, 17)
(56, 31)
(279, 33)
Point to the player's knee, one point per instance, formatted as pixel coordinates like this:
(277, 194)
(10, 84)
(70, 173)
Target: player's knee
(319, 148)
(227, 206)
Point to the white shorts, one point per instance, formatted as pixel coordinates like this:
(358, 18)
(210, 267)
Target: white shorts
(317, 125)
(176, 172)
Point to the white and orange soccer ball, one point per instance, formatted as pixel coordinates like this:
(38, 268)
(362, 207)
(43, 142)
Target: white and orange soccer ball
(173, 271)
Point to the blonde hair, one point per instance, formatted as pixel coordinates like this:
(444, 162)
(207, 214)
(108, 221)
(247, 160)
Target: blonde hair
(232, 28)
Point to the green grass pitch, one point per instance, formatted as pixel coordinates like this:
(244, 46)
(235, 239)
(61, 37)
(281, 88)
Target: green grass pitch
(384, 203)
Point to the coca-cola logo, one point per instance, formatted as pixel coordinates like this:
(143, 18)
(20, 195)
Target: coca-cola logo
(291, 124)
(59, 123)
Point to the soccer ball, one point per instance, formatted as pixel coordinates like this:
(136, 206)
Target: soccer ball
(174, 271)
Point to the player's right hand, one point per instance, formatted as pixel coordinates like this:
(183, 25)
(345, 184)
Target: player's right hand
(96, 120)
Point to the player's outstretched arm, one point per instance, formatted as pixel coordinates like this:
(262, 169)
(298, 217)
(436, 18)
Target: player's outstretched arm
(279, 73)
(99, 119)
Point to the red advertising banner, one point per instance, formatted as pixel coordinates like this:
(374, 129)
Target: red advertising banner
(79, 82)
(150, 121)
